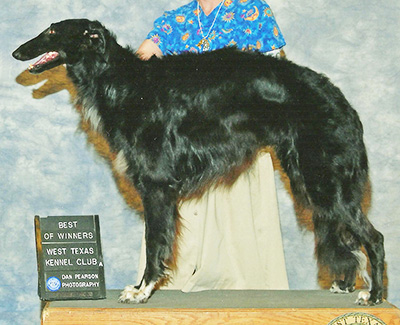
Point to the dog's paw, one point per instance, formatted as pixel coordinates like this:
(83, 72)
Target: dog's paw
(136, 295)
(339, 287)
(365, 298)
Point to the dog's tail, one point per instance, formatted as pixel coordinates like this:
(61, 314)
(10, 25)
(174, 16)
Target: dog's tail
(339, 250)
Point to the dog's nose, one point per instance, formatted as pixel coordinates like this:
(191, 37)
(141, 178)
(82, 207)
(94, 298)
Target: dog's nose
(17, 55)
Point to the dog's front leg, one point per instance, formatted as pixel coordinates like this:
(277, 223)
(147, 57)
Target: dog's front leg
(160, 218)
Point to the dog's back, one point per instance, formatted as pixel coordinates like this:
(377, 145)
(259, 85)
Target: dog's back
(220, 108)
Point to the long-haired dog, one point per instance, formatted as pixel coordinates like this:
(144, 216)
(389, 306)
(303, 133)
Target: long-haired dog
(182, 123)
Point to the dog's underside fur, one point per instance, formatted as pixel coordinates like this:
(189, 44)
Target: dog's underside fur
(182, 123)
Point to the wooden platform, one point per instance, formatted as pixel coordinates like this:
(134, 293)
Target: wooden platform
(217, 307)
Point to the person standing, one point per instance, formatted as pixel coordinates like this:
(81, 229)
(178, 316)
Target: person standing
(230, 238)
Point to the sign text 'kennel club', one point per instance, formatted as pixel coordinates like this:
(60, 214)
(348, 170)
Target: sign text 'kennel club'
(70, 260)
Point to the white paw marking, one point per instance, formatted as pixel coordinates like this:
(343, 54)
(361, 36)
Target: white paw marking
(336, 289)
(131, 294)
(363, 298)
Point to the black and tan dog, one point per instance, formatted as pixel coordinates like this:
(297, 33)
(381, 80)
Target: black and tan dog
(182, 123)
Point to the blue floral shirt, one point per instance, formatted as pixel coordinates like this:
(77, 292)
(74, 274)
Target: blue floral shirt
(246, 24)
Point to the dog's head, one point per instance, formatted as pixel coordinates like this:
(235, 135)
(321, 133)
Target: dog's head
(65, 42)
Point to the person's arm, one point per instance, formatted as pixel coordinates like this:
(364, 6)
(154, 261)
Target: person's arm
(147, 49)
(279, 53)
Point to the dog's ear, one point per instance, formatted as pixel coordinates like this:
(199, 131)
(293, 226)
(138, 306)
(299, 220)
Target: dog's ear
(96, 39)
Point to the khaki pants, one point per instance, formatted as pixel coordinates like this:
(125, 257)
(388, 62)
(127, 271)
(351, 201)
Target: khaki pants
(230, 237)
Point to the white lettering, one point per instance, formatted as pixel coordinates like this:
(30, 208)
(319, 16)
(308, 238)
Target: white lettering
(82, 250)
(67, 224)
(80, 284)
(75, 235)
(58, 262)
(48, 235)
(91, 276)
(56, 251)
(86, 261)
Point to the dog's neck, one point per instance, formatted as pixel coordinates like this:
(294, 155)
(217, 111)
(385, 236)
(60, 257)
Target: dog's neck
(97, 79)
(93, 74)
(92, 67)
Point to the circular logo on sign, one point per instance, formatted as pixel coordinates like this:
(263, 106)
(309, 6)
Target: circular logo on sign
(357, 318)
(53, 283)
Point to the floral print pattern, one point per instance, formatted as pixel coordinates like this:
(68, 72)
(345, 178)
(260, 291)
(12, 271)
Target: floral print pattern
(246, 24)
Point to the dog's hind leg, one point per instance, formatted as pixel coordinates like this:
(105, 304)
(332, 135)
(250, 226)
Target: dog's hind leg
(373, 243)
(160, 214)
(337, 249)
(338, 243)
